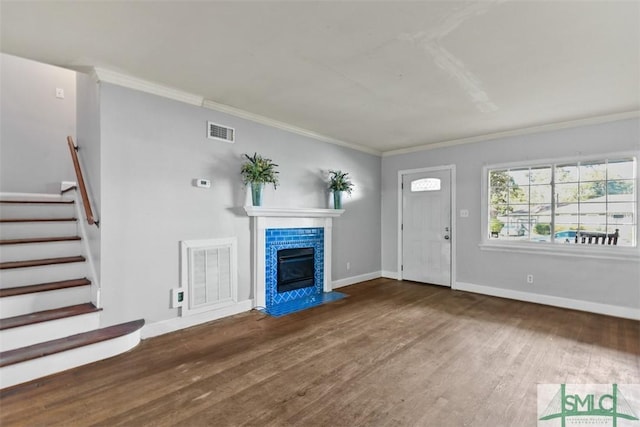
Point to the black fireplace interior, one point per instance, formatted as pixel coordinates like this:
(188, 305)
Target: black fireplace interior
(295, 269)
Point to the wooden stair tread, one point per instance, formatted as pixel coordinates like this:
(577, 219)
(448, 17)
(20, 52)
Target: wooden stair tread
(39, 240)
(43, 287)
(40, 262)
(44, 316)
(35, 351)
(11, 220)
(36, 201)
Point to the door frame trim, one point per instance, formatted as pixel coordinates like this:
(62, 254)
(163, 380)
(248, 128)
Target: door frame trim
(454, 228)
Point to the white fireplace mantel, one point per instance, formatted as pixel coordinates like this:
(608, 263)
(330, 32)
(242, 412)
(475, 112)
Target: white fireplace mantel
(293, 212)
(263, 218)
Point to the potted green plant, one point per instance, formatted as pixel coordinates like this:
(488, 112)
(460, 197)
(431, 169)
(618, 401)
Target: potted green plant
(257, 171)
(496, 225)
(339, 182)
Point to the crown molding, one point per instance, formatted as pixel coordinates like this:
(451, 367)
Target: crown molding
(113, 77)
(120, 79)
(285, 126)
(517, 132)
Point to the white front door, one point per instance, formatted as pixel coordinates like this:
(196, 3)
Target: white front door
(426, 227)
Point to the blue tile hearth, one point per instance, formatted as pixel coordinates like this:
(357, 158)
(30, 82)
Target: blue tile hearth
(295, 305)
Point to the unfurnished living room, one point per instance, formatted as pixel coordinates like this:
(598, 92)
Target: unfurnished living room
(311, 213)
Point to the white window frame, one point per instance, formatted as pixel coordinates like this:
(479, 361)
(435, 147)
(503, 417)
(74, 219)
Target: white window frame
(624, 253)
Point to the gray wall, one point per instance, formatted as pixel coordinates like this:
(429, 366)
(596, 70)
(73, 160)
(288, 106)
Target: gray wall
(601, 281)
(88, 141)
(34, 125)
(151, 149)
(141, 154)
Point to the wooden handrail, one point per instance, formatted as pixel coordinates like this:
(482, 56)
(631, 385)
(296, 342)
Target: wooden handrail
(83, 189)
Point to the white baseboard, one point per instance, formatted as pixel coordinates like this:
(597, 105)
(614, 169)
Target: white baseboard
(390, 274)
(355, 279)
(593, 307)
(171, 325)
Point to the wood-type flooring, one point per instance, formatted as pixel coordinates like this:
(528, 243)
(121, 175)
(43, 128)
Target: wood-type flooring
(391, 354)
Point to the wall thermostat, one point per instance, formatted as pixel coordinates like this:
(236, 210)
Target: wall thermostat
(203, 183)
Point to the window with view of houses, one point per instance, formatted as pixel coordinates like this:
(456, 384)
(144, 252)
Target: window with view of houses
(558, 203)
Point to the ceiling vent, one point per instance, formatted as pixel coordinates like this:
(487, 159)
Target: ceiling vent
(222, 133)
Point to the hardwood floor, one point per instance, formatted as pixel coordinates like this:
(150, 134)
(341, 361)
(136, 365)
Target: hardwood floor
(391, 354)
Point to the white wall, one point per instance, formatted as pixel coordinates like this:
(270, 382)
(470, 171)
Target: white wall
(152, 148)
(34, 125)
(599, 281)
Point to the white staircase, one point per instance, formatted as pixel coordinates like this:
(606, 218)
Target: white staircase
(49, 320)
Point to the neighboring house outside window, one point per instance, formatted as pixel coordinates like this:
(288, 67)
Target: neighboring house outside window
(556, 202)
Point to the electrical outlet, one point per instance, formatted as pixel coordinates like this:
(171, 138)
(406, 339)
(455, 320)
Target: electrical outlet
(177, 297)
(348, 266)
(530, 278)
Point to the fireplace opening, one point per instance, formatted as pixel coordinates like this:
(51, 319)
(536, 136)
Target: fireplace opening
(295, 269)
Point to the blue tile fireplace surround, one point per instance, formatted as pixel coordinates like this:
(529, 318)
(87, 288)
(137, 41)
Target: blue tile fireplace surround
(290, 238)
(303, 238)
(282, 303)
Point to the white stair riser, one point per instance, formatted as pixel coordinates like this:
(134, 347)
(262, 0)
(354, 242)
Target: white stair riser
(29, 251)
(40, 301)
(49, 273)
(35, 196)
(26, 230)
(47, 331)
(43, 366)
(37, 210)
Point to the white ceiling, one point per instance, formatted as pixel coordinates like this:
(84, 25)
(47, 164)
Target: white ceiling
(383, 75)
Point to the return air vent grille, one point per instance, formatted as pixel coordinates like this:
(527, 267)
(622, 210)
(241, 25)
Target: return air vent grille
(209, 274)
(222, 133)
